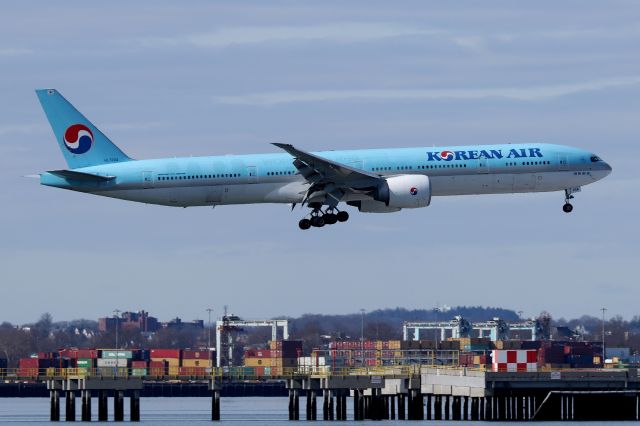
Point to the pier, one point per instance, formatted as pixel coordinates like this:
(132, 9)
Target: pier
(403, 393)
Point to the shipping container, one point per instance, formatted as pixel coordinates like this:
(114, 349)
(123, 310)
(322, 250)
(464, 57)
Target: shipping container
(112, 371)
(257, 353)
(204, 355)
(260, 362)
(205, 363)
(138, 371)
(157, 371)
(86, 363)
(171, 362)
(34, 363)
(138, 364)
(112, 353)
(112, 362)
(192, 371)
(165, 353)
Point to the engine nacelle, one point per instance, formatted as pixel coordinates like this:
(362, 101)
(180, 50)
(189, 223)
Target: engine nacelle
(405, 192)
(370, 206)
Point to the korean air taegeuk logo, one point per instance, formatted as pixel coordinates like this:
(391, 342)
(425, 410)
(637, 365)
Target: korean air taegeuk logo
(78, 138)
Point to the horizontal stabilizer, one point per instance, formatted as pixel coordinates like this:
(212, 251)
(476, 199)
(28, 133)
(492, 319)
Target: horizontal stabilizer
(87, 177)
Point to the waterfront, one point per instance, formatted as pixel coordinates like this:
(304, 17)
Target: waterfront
(184, 411)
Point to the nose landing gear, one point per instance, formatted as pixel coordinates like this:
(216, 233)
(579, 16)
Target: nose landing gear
(568, 207)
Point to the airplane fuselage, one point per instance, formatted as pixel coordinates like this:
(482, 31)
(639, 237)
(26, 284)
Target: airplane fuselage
(273, 178)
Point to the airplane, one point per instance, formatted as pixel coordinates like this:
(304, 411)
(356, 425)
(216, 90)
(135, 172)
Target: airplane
(373, 180)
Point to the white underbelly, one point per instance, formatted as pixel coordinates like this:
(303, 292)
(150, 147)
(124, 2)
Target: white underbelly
(277, 192)
(507, 183)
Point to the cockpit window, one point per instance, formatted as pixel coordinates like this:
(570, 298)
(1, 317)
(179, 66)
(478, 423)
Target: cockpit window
(595, 159)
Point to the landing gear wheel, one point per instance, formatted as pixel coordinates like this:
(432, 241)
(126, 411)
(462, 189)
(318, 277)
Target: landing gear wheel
(304, 224)
(567, 208)
(317, 221)
(330, 218)
(342, 216)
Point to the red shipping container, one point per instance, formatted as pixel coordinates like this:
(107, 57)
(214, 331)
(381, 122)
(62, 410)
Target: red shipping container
(28, 363)
(166, 353)
(258, 353)
(139, 364)
(86, 353)
(196, 355)
(79, 353)
(34, 363)
(259, 371)
(157, 364)
(65, 353)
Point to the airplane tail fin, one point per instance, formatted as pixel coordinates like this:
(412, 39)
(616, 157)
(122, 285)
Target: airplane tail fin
(81, 142)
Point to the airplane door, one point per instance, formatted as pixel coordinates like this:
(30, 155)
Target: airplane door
(563, 164)
(252, 173)
(147, 179)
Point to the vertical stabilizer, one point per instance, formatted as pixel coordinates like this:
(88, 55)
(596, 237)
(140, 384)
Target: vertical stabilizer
(81, 142)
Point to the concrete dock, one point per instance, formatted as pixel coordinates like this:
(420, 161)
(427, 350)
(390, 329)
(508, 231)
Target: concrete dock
(404, 393)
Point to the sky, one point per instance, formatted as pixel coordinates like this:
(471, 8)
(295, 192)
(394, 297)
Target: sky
(165, 79)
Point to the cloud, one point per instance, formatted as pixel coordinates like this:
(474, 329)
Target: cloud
(533, 93)
(347, 32)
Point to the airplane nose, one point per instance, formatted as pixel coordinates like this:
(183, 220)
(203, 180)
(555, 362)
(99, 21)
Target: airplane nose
(607, 168)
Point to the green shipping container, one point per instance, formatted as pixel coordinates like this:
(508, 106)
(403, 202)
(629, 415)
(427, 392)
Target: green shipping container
(138, 371)
(106, 353)
(85, 363)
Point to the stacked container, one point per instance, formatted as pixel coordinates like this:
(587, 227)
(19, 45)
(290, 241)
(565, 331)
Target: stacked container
(171, 358)
(284, 355)
(139, 368)
(32, 367)
(195, 363)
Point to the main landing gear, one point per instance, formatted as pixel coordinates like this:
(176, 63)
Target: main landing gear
(319, 218)
(568, 207)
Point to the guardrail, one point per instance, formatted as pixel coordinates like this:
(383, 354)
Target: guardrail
(223, 373)
(247, 373)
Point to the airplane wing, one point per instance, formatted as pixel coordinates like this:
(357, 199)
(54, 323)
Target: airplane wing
(330, 180)
(315, 168)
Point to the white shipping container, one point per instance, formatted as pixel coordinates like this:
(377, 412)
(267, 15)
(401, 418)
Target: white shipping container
(311, 361)
(112, 362)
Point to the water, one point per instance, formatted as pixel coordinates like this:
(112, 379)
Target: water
(186, 411)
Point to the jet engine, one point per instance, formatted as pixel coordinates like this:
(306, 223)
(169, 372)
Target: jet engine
(405, 191)
(396, 193)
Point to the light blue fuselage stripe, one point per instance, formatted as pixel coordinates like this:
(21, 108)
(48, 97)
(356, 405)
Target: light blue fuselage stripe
(384, 161)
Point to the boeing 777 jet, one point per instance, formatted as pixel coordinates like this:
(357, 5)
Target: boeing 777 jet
(373, 180)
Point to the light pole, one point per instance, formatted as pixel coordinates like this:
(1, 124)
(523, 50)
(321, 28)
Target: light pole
(209, 310)
(362, 334)
(437, 330)
(116, 313)
(603, 351)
